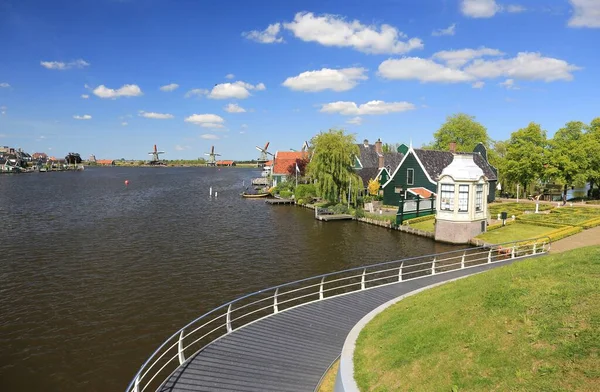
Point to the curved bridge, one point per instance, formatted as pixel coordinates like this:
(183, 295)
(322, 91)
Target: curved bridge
(284, 338)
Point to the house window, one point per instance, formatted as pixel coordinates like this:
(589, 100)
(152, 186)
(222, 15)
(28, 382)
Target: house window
(447, 197)
(410, 176)
(463, 198)
(479, 197)
(398, 189)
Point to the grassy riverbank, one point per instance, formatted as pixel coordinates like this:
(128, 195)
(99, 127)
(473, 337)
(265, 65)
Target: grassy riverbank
(531, 326)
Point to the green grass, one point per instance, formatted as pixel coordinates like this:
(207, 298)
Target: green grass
(382, 217)
(426, 225)
(572, 216)
(328, 382)
(530, 326)
(514, 232)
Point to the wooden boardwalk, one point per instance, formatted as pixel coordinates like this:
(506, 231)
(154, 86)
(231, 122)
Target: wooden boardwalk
(279, 201)
(334, 217)
(290, 350)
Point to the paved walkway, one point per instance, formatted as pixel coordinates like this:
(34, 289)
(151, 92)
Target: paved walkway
(585, 238)
(291, 350)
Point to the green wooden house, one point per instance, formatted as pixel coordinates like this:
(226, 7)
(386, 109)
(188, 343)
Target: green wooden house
(417, 174)
(374, 164)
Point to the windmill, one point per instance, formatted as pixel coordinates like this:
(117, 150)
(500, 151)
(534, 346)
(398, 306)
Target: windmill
(155, 156)
(212, 161)
(264, 154)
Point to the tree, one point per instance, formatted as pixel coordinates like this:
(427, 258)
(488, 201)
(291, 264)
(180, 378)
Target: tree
(462, 129)
(592, 146)
(333, 155)
(568, 161)
(524, 158)
(373, 187)
(73, 158)
(302, 163)
(387, 147)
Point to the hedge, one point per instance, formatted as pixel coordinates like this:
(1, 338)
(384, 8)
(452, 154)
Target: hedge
(564, 232)
(496, 226)
(591, 223)
(417, 220)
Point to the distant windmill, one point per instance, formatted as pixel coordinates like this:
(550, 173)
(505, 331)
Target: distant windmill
(264, 154)
(155, 155)
(212, 161)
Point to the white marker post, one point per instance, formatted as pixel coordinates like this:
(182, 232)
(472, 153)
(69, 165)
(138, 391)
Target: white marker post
(210, 192)
(216, 194)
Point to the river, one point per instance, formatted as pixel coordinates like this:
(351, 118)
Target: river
(95, 274)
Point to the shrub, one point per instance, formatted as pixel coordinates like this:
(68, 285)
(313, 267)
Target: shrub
(305, 191)
(300, 201)
(417, 220)
(285, 194)
(339, 209)
(359, 212)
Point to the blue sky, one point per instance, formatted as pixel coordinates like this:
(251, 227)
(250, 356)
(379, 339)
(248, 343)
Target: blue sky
(86, 76)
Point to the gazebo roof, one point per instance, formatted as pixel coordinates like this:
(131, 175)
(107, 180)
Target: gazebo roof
(463, 168)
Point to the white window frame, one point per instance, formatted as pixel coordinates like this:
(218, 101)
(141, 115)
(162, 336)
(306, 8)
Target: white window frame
(479, 198)
(413, 176)
(447, 197)
(461, 200)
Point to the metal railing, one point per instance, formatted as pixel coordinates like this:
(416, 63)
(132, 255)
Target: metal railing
(199, 333)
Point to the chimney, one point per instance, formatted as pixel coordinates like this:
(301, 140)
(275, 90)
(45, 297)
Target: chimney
(453, 147)
(378, 146)
(366, 143)
(379, 151)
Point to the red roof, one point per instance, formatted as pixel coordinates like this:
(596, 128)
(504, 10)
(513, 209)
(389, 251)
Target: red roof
(224, 163)
(105, 162)
(423, 192)
(269, 163)
(283, 160)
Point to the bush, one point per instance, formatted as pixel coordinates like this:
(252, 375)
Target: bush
(368, 199)
(417, 220)
(359, 212)
(285, 194)
(305, 191)
(300, 201)
(339, 209)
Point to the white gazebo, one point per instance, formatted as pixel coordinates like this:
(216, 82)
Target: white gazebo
(462, 203)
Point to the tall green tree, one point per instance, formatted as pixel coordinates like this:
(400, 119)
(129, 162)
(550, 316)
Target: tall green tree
(333, 155)
(524, 159)
(569, 161)
(388, 147)
(592, 146)
(462, 129)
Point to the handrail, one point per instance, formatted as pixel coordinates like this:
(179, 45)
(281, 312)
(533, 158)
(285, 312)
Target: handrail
(172, 352)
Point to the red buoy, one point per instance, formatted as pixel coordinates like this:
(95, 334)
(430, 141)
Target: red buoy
(126, 182)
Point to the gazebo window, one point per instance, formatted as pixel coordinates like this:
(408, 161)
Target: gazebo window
(463, 198)
(447, 194)
(479, 197)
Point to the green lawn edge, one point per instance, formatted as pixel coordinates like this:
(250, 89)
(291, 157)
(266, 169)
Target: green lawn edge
(530, 326)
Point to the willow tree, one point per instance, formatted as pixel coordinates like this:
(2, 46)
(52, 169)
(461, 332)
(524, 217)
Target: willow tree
(331, 166)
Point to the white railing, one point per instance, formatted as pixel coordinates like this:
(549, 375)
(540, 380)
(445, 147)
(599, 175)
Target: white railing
(233, 315)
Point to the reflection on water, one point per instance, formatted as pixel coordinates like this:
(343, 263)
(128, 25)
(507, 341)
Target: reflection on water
(94, 275)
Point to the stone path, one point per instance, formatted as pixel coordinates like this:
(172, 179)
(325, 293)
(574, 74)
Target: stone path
(585, 238)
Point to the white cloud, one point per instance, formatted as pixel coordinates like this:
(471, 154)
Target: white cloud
(3, 110)
(509, 84)
(244, 126)
(84, 117)
(4, 85)
(458, 58)
(209, 136)
(196, 92)
(451, 30)
(478, 84)
(85, 96)
(206, 120)
(424, 70)
(234, 108)
(124, 123)
(515, 8)
(267, 36)
(586, 13)
(370, 108)
(479, 8)
(179, 147)
(127, 90)
(333, 30)
(237, 90)
(157, 116)
(229, 76)
(355, 121)
(169, 87)
(526, 65)
(326, 79)
(59, 65)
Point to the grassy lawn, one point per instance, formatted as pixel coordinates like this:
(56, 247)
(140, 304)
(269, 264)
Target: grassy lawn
(573, 216)
(427, 225)
(530, 326)
(514, 232)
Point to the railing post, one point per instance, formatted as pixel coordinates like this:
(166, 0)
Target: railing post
(180, 349)
(362, 280)
(136, 385)
(512, 252)
(490, 256)
(229, 319)
(321, 288)
(275, 307)
(400, 272)
(433, 267)
(462, 260)
(534, 247)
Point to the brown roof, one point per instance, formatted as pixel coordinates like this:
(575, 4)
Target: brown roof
(423, 192)
(105, 161)
(224, 162)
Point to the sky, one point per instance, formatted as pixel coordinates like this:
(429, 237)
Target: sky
(114, 77)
